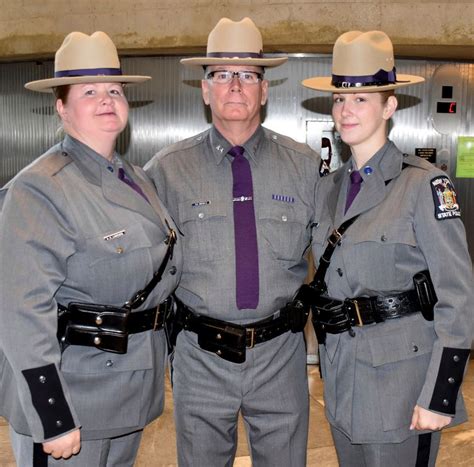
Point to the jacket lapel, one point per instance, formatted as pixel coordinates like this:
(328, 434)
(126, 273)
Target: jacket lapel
(374, 189)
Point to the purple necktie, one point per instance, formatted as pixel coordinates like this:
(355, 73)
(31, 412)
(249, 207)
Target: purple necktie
(124, 177)
(246, 251)
(356, 180)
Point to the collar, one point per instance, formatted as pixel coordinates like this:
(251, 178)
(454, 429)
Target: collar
(90, 162)
(220, 146)
(386, 162)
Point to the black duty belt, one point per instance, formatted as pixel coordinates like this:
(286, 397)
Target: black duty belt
(106, 327)
(336, 316)
(230, 341)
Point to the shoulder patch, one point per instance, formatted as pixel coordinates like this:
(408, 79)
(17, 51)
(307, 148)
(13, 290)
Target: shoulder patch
(445, 198)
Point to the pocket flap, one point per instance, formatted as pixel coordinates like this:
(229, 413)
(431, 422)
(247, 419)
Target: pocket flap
(402, 344)
(197, 211)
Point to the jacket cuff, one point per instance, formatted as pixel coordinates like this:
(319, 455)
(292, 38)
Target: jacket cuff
(48, 399)
(450, 375)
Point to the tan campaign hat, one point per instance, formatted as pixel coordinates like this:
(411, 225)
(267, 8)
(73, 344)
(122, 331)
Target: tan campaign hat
(362, 62)
(85, 59)
(234, 43)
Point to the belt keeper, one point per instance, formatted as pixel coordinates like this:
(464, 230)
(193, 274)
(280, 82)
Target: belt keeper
(157, 317)
(250, 331)
(359, 318)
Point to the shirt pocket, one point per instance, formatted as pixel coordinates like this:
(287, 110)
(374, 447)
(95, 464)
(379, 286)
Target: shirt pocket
(204, 228)
(400, 360)
(117, 245)
(373, 253)
(286, 230)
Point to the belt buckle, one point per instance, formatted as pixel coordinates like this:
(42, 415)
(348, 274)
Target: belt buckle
(335, 233)
(250, 331)
(157, 317)
(359, 318)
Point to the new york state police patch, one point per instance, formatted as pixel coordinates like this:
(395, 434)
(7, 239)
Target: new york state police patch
(445, 198)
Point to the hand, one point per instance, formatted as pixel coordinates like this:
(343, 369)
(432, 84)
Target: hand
(427, 420)
(65, 446)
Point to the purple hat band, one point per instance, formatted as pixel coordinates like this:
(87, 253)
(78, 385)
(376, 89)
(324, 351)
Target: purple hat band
(88, 72)
(235, 54)
(381, 78)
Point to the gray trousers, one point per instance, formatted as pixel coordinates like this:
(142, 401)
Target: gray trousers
(416, 451)
(115, 452)
(269, 389)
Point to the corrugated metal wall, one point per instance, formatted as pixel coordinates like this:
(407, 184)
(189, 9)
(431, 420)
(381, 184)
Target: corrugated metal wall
(169, 108)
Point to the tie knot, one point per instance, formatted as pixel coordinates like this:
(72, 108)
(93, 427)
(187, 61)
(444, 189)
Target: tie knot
(236, 151)
(356, 177)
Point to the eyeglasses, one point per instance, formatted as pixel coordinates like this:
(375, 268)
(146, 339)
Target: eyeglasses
(225, 76)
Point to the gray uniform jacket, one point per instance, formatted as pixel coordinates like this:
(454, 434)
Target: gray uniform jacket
(70, 230)
(284, 175)
(372, 381)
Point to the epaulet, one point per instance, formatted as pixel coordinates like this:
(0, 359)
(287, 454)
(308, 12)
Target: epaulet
(417, 161)
(50, 163)
(183, 144)
(289, 143)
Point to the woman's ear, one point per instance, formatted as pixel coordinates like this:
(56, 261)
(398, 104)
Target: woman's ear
(390, 107)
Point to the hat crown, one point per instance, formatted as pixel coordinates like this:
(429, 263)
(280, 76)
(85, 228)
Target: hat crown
(359, 53)
(82, 52)
(235, 36)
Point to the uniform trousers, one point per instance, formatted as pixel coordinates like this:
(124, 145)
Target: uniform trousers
(120, 451)
(270, 390)
(416, 451)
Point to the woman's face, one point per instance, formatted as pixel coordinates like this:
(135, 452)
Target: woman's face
(94, 110)
(360, 118)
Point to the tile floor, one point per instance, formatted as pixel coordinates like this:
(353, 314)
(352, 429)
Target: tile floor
(158, 446)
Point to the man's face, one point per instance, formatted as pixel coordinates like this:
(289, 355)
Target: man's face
(235, 101)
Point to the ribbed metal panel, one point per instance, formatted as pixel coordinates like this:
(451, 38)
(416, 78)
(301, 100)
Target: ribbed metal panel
(169, 108)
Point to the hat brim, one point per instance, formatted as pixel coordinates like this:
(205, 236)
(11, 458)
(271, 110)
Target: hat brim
(47, 85)
(324, 84)
(207, 61)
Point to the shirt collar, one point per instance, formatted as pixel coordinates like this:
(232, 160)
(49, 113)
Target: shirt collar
(220, 146)
(374, 164)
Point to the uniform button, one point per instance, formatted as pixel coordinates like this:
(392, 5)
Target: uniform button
(97, 340)
(199, 138)
(219, 337)
(173, 270)
(456, 358)
(42, 379)
(51, 401)
(339, 271)
(219, 353)
(451, 380)
(383, 238)
(59, 423)
(284, 218)
(274, 137)
(119, 250)
(109, 363)
(110, 169)
(201, 215)
(98, 320)
(64, 153)
(415, 348)
(445, 402)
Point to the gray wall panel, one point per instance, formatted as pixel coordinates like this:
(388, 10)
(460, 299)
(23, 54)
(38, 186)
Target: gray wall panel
(169, 108)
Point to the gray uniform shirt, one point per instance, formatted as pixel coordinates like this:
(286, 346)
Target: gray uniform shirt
(70, 230)
(374, 380)
(194, 179)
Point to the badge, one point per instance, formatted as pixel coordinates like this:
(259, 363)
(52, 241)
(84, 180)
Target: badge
(445, 198)
(114, 235)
